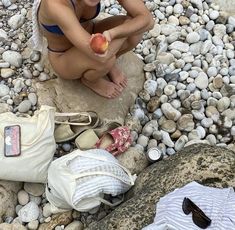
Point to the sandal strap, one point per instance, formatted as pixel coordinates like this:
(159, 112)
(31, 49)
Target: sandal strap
(124, 147)
(118, 146)
(86, 114)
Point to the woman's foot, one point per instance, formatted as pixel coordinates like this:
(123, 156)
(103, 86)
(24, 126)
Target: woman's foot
(117, 76)
(103, 87)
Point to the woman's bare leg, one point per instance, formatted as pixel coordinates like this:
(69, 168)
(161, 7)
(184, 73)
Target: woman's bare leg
(115, 74)
(80, 65)
(103, 87)
(100, 85)
(92, 78)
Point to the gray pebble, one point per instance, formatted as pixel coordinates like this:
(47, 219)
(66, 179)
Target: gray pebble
(35, 56)
(33, 98)
(24, 106)
(66, 147)
(4, 90)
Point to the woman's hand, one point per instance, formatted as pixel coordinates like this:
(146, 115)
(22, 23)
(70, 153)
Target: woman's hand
(107, 34)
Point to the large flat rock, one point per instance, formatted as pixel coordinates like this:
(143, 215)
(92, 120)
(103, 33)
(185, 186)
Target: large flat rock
(210, 166)
(227, 6)
(8, 198)
(72, 96)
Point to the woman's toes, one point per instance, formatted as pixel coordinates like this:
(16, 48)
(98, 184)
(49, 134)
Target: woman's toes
(117, 92)
(120, 88)
(124, 83)
(114, 95)
(113, 92)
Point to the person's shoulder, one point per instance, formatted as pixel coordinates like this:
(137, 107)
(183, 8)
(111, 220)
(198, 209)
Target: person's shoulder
(56, 7)
(127, 2)
(52, 4)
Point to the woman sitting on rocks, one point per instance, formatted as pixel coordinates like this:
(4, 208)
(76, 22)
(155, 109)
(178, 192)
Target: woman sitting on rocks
(68, 26)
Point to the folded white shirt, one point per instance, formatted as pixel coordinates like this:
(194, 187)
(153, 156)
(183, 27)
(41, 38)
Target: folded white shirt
(218, 204)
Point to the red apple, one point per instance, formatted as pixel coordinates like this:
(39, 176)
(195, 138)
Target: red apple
(99, 43)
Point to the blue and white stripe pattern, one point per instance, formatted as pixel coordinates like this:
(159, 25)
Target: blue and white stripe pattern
(115, 180)
(217, 204)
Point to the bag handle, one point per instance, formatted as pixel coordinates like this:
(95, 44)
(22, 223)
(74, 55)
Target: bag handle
(23, 115)
(57, 210)
(105, 160)
(72, 115)
(109, 203)
(40, 134)
(81, 175)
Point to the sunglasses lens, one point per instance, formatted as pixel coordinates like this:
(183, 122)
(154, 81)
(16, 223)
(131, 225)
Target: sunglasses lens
(186, 206)
(198, 216)
(201, 221)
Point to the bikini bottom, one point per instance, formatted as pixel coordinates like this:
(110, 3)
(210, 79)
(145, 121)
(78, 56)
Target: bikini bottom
(58, 51)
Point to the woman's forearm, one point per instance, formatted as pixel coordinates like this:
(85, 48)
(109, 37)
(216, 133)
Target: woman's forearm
(132, 26)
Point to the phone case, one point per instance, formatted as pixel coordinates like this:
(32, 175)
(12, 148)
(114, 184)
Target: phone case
(12, 141)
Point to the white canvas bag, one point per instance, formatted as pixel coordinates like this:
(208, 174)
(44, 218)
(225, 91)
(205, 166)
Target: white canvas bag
(37, 146)
(37, 143)
(80, 179)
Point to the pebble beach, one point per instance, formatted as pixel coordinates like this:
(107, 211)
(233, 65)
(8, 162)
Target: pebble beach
(188, 95)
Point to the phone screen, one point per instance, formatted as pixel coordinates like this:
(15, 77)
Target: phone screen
(12, 141)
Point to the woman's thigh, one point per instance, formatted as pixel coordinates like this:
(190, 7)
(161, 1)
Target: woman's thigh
(101, 25)
(73, 63)
(118, 47)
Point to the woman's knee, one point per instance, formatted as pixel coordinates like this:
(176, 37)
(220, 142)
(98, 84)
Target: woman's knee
(133, 41)
(99, 70)
(106, 65)
(62, 73)
(77, 70)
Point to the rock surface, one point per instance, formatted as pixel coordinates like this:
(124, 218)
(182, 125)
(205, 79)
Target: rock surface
(15, 226)
(134, 160)
(211, 166)
(57, 219)
(227, 5)
(71, 96)
(8, 198)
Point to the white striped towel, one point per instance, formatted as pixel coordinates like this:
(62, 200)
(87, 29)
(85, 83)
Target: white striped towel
(217, 204)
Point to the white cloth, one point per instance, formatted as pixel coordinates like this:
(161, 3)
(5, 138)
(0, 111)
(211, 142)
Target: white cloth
(217, 204)
(37, 37)
(103, 183)
(80, 179)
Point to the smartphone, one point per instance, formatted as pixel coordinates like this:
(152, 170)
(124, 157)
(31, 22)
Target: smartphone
(12, 141)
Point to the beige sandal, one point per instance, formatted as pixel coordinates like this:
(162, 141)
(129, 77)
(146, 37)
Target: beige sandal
(88, 139)
(74, 124)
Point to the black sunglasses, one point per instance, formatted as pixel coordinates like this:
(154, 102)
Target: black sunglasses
(198, 216)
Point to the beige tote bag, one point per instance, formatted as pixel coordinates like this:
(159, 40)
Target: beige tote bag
(37, 146)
